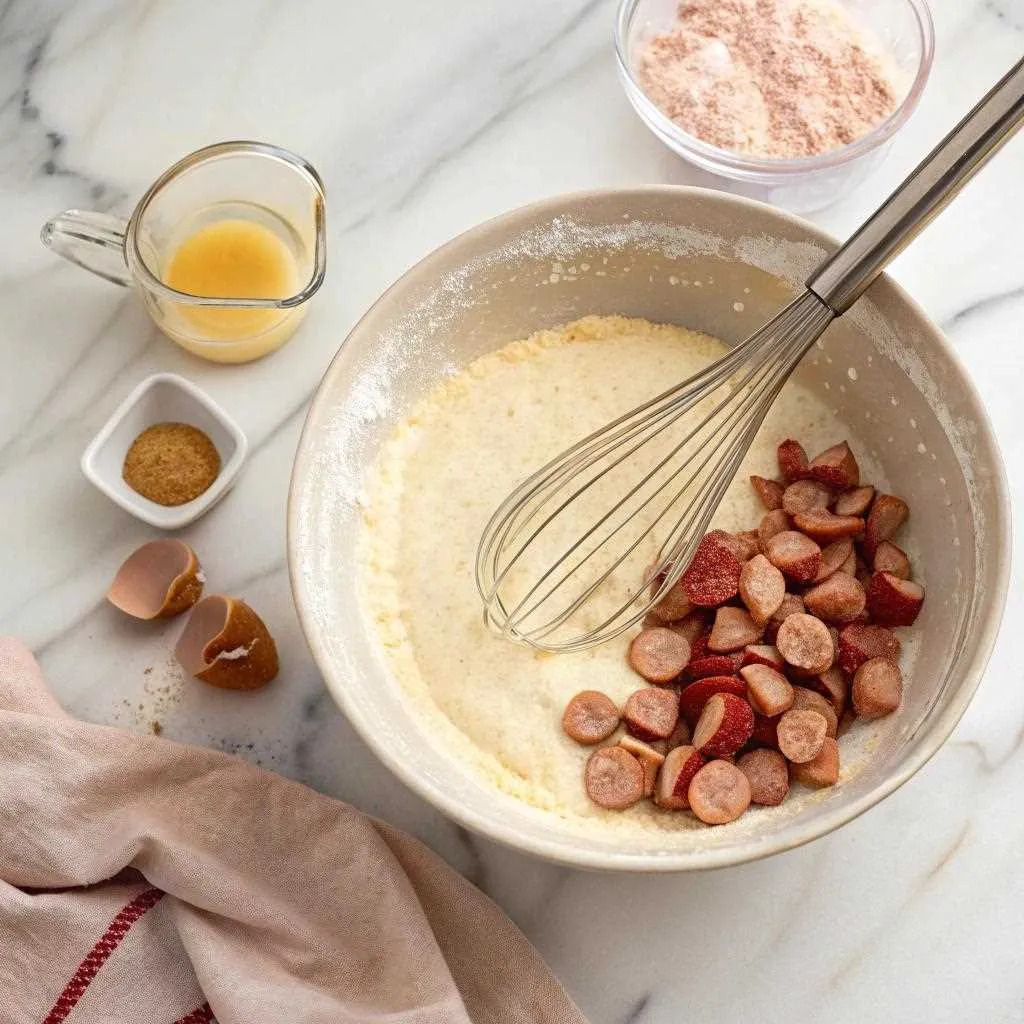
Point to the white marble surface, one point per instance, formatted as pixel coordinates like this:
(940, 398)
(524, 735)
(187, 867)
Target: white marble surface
(424, 119)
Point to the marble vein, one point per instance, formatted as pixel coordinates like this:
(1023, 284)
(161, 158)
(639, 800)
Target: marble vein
(982, 305)
(917, 891)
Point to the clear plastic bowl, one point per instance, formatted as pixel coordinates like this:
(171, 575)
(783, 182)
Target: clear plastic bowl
(904, 27)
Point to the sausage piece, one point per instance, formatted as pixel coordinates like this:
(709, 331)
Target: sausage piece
(805, 642)
(805, 699)
(877, 688)
(658, 654)
(768, 775)
(854, 502)
(801, 735)
(762, 588)
(822, 769)
(724, 726)
(806, 496)
(840, 599)
(719, 793)
(734, 629)
(795, 554)
(614, 778)
(769, 691)
(673, 786)
(651, 713)
(590, 717)
(859, 641)
(836, 466)
(650, 760)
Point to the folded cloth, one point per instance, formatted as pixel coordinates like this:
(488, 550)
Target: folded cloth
(146, 881)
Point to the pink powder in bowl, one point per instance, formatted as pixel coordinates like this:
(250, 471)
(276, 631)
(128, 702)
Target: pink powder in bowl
(768, 78)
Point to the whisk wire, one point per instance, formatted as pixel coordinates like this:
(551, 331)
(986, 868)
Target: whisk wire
(518, 613)
(709, 451)
(668, 562)
(592, 448)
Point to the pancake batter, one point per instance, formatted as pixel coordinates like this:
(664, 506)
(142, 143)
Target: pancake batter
(494, 704)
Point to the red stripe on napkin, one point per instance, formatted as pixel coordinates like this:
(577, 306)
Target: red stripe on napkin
(99, 954)
(200, 1015)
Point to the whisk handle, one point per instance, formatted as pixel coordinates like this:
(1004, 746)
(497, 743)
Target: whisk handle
(843, 278)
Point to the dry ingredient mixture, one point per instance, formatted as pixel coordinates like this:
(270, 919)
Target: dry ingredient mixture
(171, 463)
(768, 78)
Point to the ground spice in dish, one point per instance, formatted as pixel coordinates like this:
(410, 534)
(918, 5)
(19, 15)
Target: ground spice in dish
(769, 78)
(171, 463)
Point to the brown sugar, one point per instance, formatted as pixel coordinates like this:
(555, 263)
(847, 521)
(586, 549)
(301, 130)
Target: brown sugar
(171, 463)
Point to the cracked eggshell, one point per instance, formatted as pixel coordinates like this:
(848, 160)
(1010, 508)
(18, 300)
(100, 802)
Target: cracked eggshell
(157, 581)
(226, 644)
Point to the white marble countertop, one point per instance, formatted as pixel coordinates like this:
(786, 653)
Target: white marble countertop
(424, 120)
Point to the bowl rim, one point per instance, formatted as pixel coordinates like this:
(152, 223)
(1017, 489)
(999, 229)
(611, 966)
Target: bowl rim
(755, 167)
(986, 628)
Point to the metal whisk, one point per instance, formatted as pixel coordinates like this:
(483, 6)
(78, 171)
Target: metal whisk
(583, 548)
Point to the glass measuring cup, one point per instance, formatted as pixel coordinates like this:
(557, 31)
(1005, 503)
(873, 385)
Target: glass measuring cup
(261, 201)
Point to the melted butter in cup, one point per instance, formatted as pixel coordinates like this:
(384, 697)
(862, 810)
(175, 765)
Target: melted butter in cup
(234, 258)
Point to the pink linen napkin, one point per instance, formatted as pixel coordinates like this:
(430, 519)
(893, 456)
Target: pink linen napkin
(146, 881)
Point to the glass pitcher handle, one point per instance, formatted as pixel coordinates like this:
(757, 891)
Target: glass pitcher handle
(94, 241)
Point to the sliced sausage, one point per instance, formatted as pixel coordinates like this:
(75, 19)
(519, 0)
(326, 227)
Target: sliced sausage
(840, 599)
(854, 502)
(768, 775)
(763, 654)
(762, 588)
(747, 545)
(792, 460)
(805, 641)
(771, 524)
(769, 491)
(733, 630)
(801, 735)
(674, 604)
(713, 575)
(791, 605)
(822, 769)
(806, 496)
(834, 558)
(614, 778)
(725, 725)
(650, 760)
(719, 793)
(795, 554)
(651, 713)
(590, 717)
(824, 528)
(892, 601)
(877, 688)
(805, 699)
(695, 696)
(836, 466)
(888, 513)
(712, 665)
(658, 654)
(768, 690)
(689, 627)
(834, 689)
(860, 641)
(672, 789)
(889, 558)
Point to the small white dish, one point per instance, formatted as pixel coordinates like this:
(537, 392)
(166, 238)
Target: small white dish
(163, 398)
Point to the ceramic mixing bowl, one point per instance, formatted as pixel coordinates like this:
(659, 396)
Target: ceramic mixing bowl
(642, 252)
